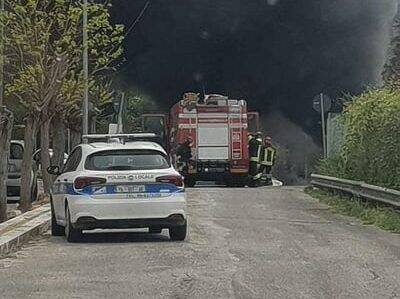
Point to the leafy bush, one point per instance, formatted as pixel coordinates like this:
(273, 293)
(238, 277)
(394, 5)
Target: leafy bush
(332, 167)
(371, 147)
(136, 106)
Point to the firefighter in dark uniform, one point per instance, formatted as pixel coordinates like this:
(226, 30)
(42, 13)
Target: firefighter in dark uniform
(268, 157)
(184, 154)
(255, 148)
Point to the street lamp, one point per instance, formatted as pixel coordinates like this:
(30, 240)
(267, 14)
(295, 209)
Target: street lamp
(85, 106)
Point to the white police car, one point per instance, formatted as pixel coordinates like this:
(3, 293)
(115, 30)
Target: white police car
(106, 185)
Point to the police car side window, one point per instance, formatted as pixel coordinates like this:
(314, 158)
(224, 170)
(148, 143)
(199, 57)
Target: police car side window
(73, 160)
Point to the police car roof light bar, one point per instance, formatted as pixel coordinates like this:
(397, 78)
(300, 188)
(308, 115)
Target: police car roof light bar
(122, 137)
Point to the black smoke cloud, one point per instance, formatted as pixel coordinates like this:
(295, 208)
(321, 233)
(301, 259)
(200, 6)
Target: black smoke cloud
(277, 54)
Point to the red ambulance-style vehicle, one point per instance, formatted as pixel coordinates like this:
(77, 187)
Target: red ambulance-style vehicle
(218, 127)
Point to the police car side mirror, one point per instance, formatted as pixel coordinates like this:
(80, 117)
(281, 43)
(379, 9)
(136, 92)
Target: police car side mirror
(54, 170)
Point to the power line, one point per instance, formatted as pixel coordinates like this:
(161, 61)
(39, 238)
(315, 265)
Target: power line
(138, 18)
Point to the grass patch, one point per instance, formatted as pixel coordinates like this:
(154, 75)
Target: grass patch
(369, 213)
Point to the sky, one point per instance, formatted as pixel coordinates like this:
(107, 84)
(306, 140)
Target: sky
(276, 54)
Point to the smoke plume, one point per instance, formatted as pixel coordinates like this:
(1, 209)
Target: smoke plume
(275, 54)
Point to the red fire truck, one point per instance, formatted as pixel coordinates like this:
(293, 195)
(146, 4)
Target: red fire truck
(218, 127)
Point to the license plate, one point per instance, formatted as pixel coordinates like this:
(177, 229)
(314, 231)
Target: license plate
(143, 195)
(131, 188)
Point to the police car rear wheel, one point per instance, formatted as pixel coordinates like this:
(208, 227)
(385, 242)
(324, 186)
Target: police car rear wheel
(190, 182)
(56, 230)
(72, 234)
(178, 233)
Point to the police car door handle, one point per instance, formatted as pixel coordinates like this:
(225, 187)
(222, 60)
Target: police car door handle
(65, 180)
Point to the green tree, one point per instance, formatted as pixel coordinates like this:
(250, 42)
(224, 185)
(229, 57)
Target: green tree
(43, 50)
(136, 105)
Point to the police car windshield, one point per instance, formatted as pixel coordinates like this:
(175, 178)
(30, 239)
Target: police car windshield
(126, 160)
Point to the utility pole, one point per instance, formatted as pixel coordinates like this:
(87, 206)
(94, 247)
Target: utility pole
(85, 106)
(1, 54)
(120, 114)
(323, 124)
(322, 104)
(68, 141)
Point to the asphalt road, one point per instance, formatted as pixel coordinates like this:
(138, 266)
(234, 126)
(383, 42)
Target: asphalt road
(243, 243)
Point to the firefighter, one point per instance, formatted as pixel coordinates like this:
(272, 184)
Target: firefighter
(249, 138)
(255, 148)
(251, 145)
(184, 154)
(268, 157)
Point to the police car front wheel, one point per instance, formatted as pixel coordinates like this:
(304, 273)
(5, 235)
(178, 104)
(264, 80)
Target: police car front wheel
(56, 230)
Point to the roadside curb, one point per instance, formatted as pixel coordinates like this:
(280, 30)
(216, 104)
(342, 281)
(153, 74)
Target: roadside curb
(19, 230)
(13, 213)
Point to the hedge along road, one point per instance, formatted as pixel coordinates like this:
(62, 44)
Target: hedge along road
(243, 243)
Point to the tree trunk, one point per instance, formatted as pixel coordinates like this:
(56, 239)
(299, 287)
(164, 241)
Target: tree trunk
(6, 123)
(44, 154)
(59, 140)
(76, 138)
(26, 169)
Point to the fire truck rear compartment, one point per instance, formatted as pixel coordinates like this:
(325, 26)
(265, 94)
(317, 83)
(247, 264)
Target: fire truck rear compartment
(213, 142)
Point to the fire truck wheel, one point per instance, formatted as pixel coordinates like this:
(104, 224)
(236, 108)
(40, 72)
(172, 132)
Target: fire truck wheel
(252, 184)
(238, 182)
(190, 182)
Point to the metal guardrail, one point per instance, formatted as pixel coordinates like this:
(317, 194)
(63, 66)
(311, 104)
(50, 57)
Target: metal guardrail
(358, 189)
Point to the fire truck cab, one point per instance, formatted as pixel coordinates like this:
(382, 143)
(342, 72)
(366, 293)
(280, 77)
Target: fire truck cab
(218, 127)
